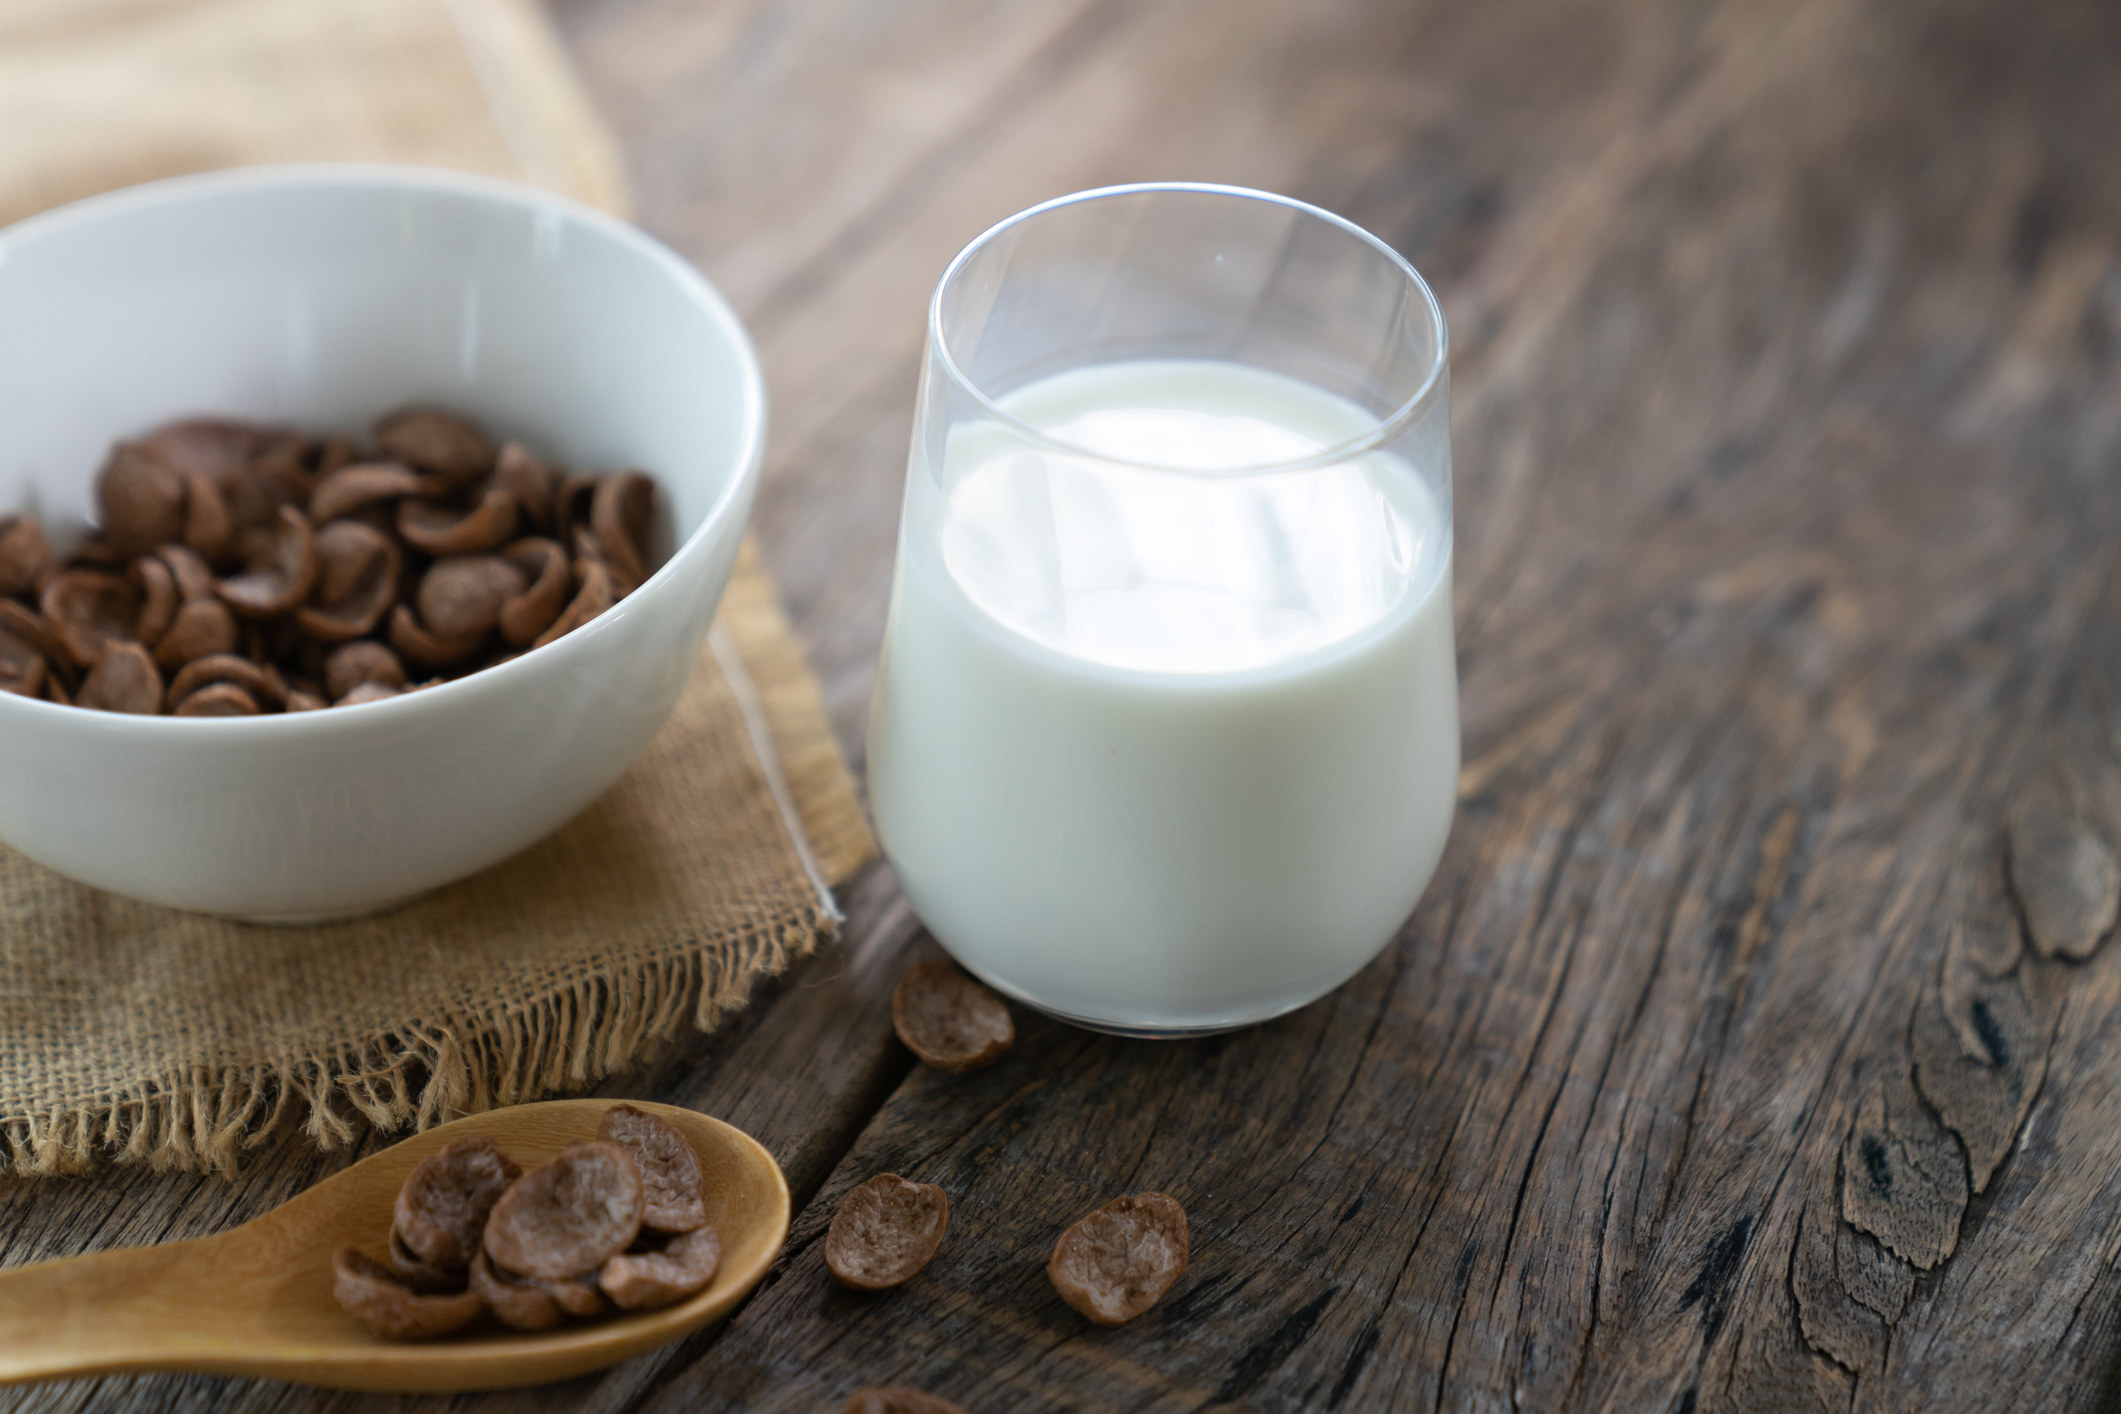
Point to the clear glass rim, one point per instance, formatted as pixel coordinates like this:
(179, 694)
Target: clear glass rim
(1386, 430)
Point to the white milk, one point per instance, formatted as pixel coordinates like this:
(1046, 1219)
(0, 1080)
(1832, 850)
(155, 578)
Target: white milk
(1164, 750)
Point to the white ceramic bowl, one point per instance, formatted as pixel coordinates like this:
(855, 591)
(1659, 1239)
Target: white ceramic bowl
(323, 296)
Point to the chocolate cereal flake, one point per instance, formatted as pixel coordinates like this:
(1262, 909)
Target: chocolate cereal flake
(885, 1232)
(202, 628)
(1117, 1262)
(158, 595)
(427, 1278)
(527, 1304)
(643, 1281)
(595, 592)
(357, 580)
(577, 1297)
(281, 570)
(123, 680)
(517, 1303)
(87, 609)
(221, 699)
(437, 529)
(25, 554)
(549, 581)
(950, 1021)
(443, 1204)
(569, 1217)
(428, 438)
(363, 484)
(22, 666)
(260, 682)
(140, 498)
(362, 661)
(670, 1171)
(379, 1301)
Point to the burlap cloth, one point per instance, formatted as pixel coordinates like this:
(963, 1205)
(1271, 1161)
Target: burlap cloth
(137, 1034)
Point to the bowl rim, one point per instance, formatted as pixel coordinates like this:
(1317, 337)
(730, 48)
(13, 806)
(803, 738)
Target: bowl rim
(386, 178)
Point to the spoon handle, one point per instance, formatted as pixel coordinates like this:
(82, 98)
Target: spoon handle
(135, 1308)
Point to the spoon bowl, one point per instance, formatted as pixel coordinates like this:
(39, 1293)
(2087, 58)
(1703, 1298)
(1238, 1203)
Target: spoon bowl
(257, 1300)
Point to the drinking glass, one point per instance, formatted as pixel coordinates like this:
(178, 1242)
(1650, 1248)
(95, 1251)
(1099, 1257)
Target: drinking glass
(1165, 734)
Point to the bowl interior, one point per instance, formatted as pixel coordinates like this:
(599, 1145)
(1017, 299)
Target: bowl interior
(324, 297)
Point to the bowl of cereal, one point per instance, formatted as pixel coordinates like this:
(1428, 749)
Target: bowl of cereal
(358, 526)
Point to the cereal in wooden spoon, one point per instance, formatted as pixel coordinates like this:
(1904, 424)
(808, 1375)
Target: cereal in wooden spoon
(420, 1274)
(526, 1304)
(379, 1301)
(565, 1239)
(516, 1302)
(670, 1170)
(440, 1216)
(569, 1217)
(643, 1280)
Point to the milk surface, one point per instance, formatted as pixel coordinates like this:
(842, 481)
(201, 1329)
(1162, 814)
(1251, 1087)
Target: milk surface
(1166, 749)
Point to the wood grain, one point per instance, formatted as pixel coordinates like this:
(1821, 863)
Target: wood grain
(1757, 1045)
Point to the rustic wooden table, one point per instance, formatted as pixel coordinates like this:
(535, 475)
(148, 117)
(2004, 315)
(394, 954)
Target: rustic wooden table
(1754, 1046)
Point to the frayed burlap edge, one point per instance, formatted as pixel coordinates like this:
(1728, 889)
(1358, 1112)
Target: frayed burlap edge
(416, 1076)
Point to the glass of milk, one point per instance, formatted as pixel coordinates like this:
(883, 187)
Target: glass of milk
(1165, 735)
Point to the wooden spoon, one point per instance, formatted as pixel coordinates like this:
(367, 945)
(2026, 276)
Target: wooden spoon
(256, 1300)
